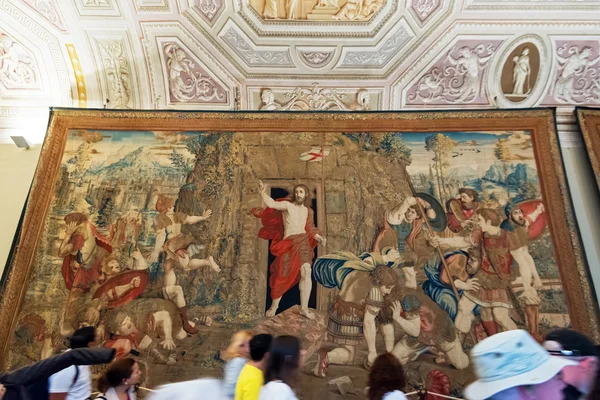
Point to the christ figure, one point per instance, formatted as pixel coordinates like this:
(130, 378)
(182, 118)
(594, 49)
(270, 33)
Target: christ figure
(288, 222)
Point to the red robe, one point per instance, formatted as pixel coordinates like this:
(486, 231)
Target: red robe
(290, 253)
(84, 278)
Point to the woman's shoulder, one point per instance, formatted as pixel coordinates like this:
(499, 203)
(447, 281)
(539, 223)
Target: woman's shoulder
(277, 390)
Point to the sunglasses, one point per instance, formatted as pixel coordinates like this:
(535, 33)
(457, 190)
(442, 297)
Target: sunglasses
(565, 353)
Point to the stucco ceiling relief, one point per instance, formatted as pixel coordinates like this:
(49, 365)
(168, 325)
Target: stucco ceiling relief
(188, 80)
(457, 77)
(520, 72)
(50, 11)
(152, 5)
(18, 68)
(315, 57)
(424, 9)
(317, 10)
(182, 72)
(117, 74)
(98, 8)
(313, 98)
(320, 18)
(389, 48)
(576, 77)
(251, 54)
(209, 9)
(26, 46)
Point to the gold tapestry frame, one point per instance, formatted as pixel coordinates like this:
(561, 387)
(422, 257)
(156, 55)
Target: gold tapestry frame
(589, 122)
(540, 122)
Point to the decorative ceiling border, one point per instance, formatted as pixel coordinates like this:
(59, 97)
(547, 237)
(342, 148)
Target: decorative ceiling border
(467, 28)
(533, 5)
(141, 8)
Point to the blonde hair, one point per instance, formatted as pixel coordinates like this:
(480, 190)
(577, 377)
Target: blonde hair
(233, 350)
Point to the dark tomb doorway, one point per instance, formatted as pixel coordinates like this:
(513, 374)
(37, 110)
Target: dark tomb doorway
(292, 296)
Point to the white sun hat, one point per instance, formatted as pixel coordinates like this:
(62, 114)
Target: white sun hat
(510, 359)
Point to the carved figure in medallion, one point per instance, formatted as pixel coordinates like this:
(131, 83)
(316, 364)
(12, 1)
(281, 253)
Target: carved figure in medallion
(521, 73)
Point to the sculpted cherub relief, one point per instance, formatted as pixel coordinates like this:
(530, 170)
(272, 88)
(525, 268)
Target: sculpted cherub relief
(14, 66)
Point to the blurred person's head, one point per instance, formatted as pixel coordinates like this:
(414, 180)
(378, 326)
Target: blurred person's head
(239, 346)
(577, 347)
(125, 372)
(82, 337)
(285, 358)
(386, 376)
(259, 346)
(512, 365)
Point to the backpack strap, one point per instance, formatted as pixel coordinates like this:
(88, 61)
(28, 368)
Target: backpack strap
(75, 377)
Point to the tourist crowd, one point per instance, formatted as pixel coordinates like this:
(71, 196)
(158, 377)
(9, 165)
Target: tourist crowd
(508, 365)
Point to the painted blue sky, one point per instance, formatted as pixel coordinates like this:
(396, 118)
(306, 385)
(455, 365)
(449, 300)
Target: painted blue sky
(474, 150)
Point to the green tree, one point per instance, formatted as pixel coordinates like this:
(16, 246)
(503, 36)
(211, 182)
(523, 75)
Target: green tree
(180, 162)
(393, 145)
(503, 154)
(441, 146)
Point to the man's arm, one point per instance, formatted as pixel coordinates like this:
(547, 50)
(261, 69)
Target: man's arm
(412, 326)
(370, 329)
(269, 202)
(58, 396)
(396, 217)
(192, 219)
(276, 205)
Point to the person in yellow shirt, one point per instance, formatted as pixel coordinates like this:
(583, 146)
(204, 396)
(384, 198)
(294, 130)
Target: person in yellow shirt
(252, 376)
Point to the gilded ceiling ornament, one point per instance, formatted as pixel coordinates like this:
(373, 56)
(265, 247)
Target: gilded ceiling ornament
(79, 76)
(314, 98)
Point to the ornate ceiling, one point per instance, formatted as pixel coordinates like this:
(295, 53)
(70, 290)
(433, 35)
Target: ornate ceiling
(293, 54)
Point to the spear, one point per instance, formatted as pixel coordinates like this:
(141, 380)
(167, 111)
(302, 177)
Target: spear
(424, 214)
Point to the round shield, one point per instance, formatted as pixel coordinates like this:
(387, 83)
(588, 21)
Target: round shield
(123, 278)
(537, 228)
(440, 222)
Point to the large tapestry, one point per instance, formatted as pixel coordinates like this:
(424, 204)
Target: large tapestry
(414, 233)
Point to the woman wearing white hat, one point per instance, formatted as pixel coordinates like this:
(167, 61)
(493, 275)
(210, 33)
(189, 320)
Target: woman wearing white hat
(512, 365)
